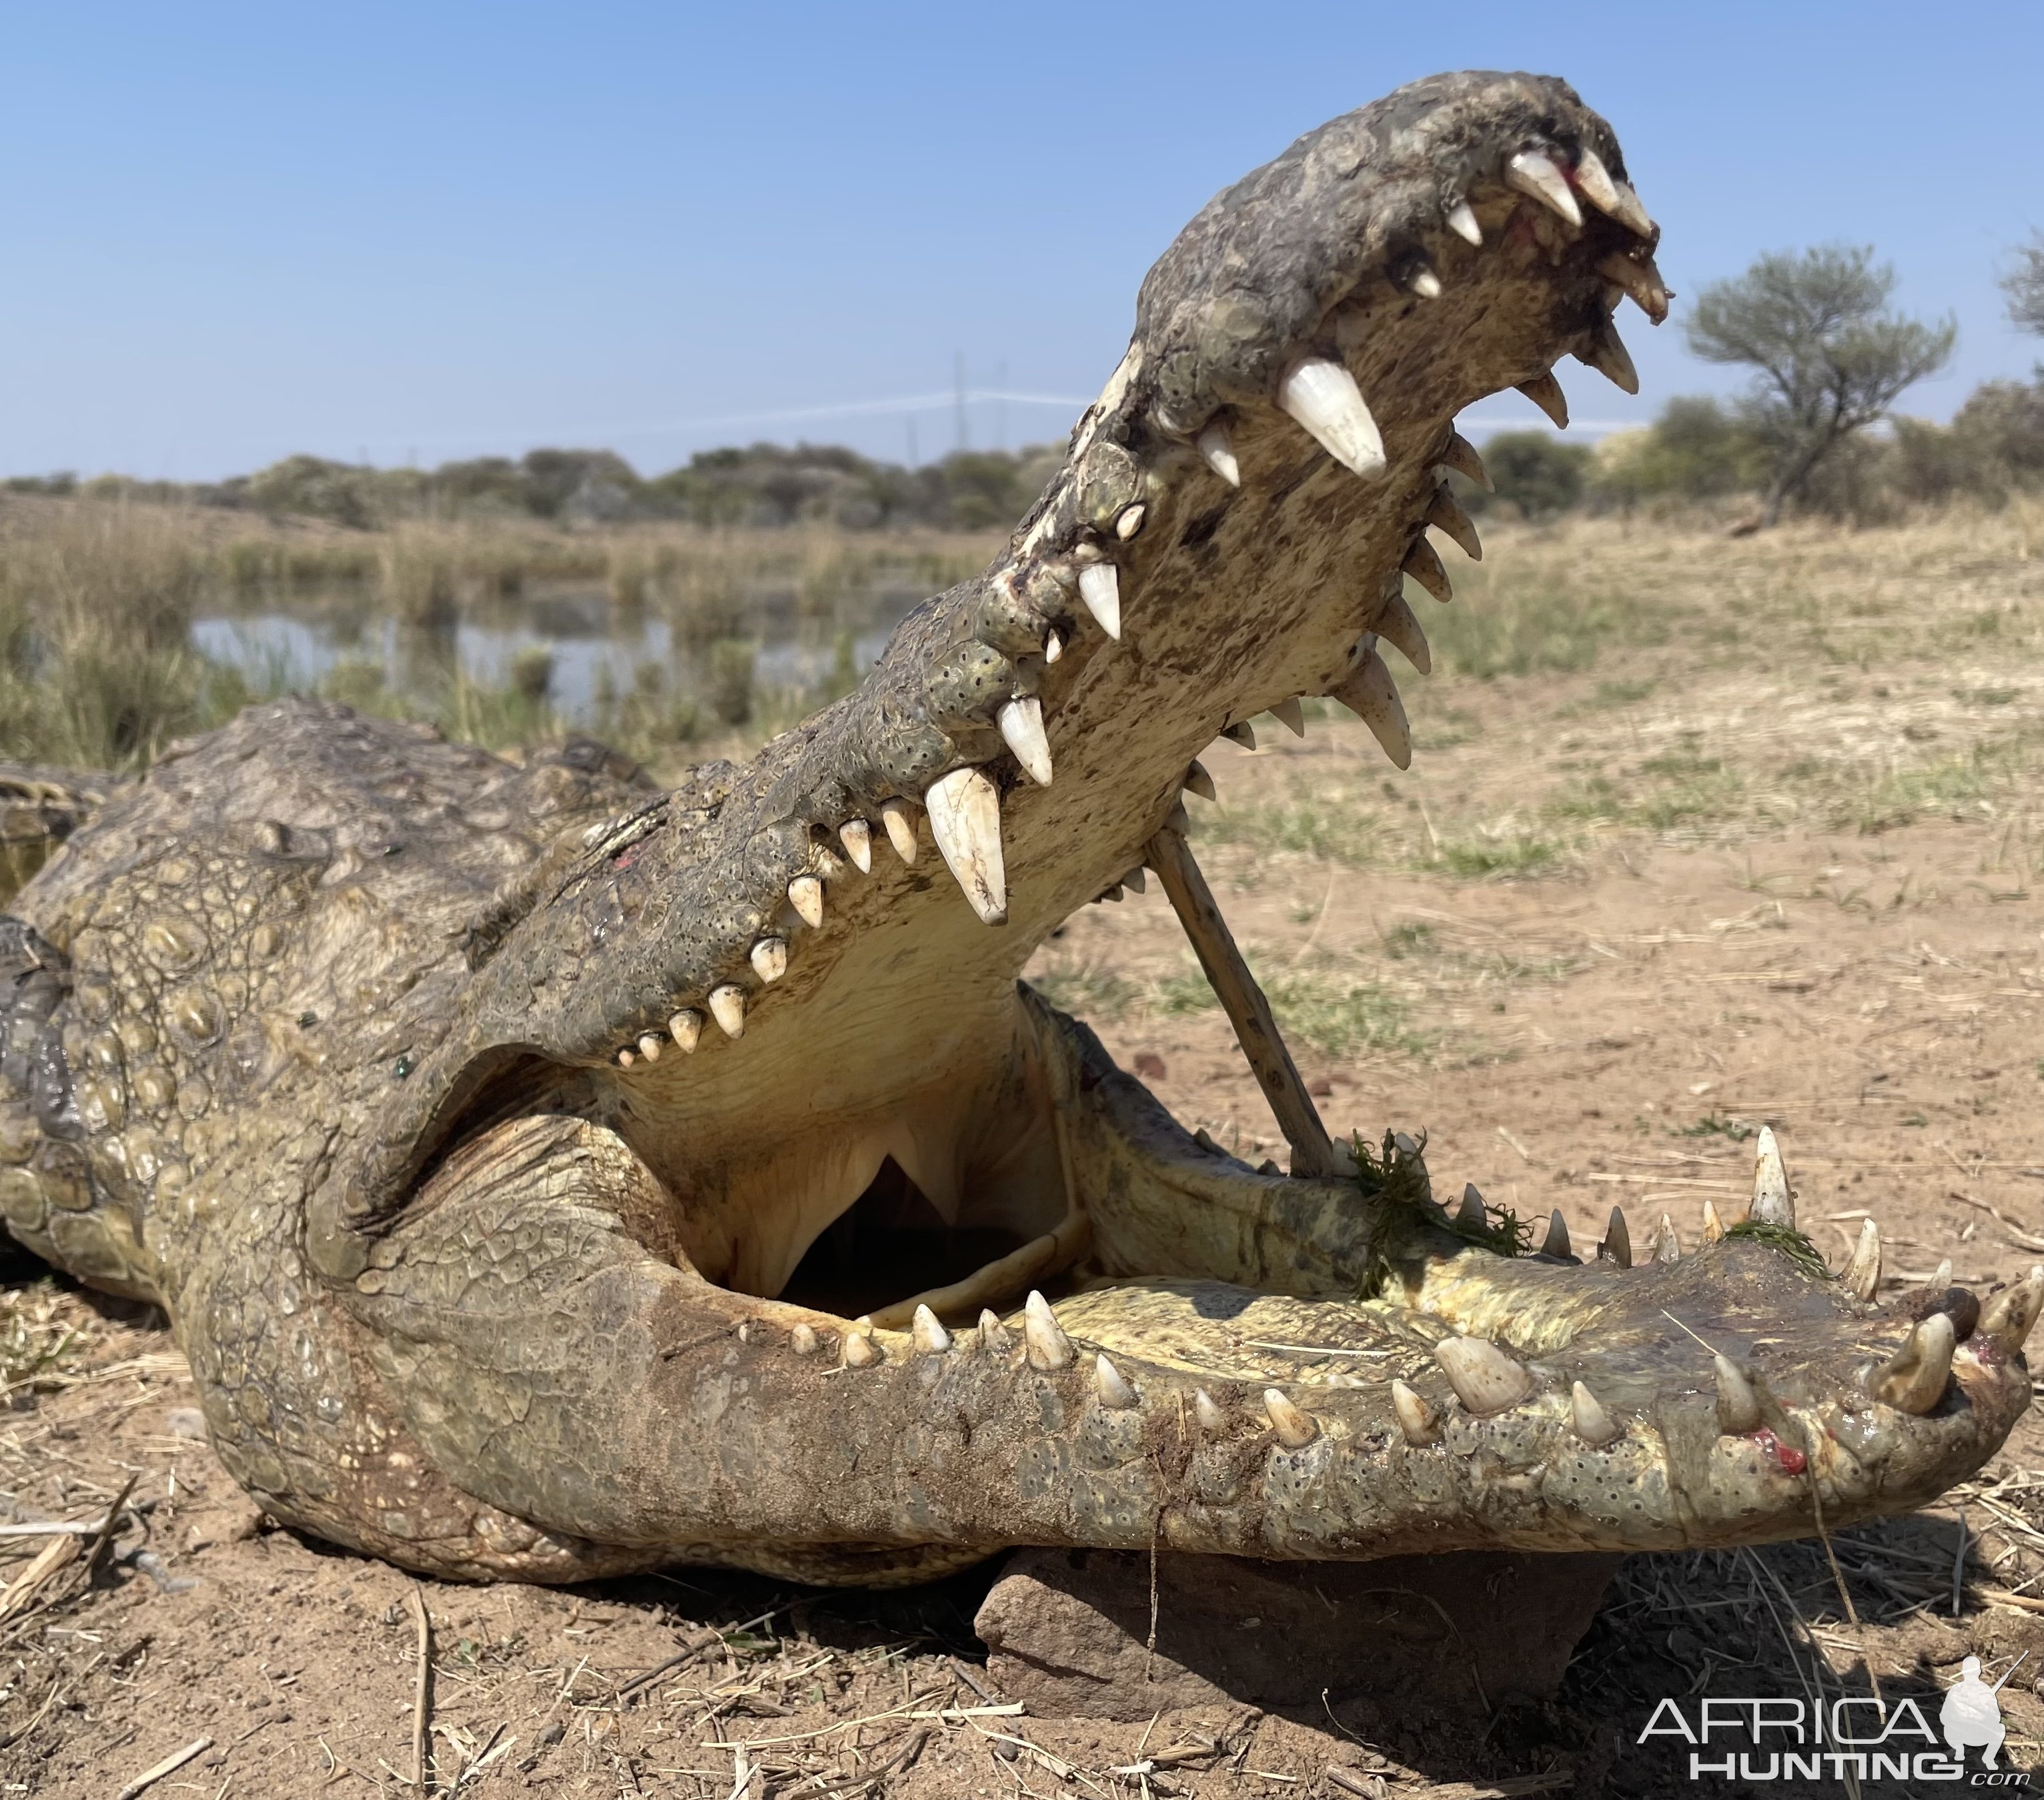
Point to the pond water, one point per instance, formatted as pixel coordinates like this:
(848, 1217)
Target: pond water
(299, 637)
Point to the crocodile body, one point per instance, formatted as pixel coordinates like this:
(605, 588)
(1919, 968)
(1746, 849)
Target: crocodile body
(548, 1175)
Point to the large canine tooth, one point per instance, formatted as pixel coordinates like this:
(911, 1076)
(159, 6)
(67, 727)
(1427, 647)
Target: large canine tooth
(1444, 511)
(685, 1028)
(1861, 1279)
(1368, 692)
(1609, 355)
(1617, 1246)
(1667, 1245)
(1213, 1421)
(650, 1046)
(1640, 280)
(1399, 626)
(1110, 1384)
(1240, 733)
(856, 835)
(927, 1334)
(727, 1006)
(2007, 1318)
(1199, 782)
(1588, 1419)
(1738, 1407)
(1461, 221)
(1771, 1203)
(1460, 456)
(1556, 1243)
(1913, 1379)
(803, 1340)
(1472, 1215)
(993, 1337)
(1485, 1380)
(1054, 647)
(1416, 1417)
(770, 959)
(858, 1349)
(1533, 172)
(1291, 715)
(1022, 725)
(899, 818)
(1422, 563)
(1322, 396)
(1042, 1336)
(1219, 450)
(1713, 1225)
(805, 895)
(1100, 587)
(1546, 393)
(1595, 181)
(1295, 1429)
(965, 819)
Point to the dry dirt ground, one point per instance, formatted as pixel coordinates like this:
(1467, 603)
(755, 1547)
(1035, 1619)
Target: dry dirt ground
(1701, 836)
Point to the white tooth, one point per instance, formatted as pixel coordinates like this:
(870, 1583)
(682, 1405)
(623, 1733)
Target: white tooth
(856, 834)
(1422, 563)
(1609, 357)
(727, 1006)
(1533, 172)
(965, 819)
(1738, 1407)
(1240, 733)
(928, 1336)
(899, 818)
(1054, 647)
(1460, 456)
(1424, 282)
(858, 1349)
(1112, 1387)
(1199, 782)
(1042, 1336)
(2008, 1317)
(1713, 1225)
(685, 1028)
(1416, 1417)
(1295, 1429)
(1399, 626)
(1100, 587)
(1213, 1421)
(1461, 221)
(802, 1340)
(1667, 1242)
(993, 1337)
(1368, 692)
(770, 959)
(1941, 1277)
(1556, 1243)
(1485, 1380)
(1588, 1419)
(1021, 724)
(626, 1059)
(1215, 445)
(1771, 1203)
(1595, 180)
(1617, 1245)
(1291, 715)
(1861, 1279)
(1444, 512)
(1546, 393)
(805, 895)
(1632, 213)
(1913, 1379)
(1129, 522)
(650, 1047)
(1135, 881)
(1323, 397)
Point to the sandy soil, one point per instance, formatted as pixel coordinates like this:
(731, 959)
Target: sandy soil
(1586, 996)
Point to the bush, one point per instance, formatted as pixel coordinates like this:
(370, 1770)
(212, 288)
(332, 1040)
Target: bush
(1534, 471)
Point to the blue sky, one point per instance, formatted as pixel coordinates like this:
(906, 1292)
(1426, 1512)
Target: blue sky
(229, 232)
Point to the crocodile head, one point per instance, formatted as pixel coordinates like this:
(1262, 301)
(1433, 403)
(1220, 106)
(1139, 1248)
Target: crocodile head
(720, 1219)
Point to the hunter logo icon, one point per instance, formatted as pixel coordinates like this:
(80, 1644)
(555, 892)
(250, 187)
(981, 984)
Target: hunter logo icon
(1971, 1717)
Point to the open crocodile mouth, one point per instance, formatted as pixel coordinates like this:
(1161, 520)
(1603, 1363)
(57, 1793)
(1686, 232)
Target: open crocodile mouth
(933, 1226)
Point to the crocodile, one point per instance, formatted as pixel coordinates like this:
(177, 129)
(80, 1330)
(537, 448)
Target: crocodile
(549, 1175)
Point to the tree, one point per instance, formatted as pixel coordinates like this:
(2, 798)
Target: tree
(2024, 285)
(1831, 358)
(1535, 470)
